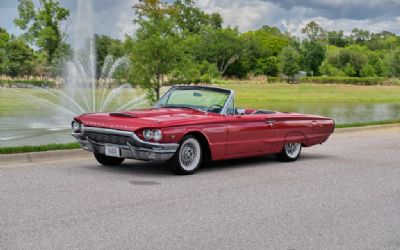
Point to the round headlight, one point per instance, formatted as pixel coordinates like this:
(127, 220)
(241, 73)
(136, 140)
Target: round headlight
(157, 135)
(76, 126)
(148, 134)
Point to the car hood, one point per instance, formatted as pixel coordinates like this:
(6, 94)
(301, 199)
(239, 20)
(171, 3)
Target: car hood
(147, 118)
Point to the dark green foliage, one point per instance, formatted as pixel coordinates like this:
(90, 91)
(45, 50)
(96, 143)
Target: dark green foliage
(34, 82)
(222, 47)
(337, 38)
(19, 59)
(312, 55)
(350, 61)
(42, 24)
(192, 19)
(268, 66)
(107, 46)
(289, 62)
(4, 40)
(394, 63)
(40, 148)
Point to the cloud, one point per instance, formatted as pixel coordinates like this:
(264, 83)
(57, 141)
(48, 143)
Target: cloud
(344, 9)
(113, 18)
(292, 15)
(125, 25)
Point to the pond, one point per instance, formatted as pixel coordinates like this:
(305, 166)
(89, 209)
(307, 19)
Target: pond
(18, 131)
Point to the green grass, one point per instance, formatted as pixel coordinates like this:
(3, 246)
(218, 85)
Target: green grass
(352, 80)
(364, 124)
(25, 101)
(255, 95)
(248, 94)
(39, 148)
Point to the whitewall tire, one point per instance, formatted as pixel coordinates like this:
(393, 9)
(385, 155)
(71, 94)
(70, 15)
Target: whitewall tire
(188, 157)
(290, 152)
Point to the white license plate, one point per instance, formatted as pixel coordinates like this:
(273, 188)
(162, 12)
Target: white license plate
(113, 151)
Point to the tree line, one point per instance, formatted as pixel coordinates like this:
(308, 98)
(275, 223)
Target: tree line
(177, 42)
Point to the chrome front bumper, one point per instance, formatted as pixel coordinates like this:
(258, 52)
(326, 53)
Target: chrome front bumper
(135, 147)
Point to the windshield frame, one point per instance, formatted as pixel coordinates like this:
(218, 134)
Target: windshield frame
(222, 90)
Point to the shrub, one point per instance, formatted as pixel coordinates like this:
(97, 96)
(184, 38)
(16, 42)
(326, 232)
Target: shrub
(271, 79)
(27, 82)
(352, 80)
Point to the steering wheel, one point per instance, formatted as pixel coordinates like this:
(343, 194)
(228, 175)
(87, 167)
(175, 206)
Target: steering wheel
(215, 108)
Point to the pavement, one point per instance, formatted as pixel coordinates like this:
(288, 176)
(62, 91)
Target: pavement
(344, 194)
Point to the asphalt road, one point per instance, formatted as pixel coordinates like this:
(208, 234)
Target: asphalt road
(344, 194)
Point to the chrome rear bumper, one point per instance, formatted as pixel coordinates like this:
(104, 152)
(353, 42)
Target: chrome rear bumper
(135, 147)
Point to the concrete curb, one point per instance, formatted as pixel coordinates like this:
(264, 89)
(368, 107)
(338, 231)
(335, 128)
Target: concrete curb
(34, 157)
(43, 156)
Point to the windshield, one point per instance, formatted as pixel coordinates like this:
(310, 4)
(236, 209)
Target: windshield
(208, 100)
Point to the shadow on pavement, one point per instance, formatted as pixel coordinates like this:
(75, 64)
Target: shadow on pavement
(161, 168)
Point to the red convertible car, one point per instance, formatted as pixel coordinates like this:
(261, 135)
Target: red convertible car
(191, 125)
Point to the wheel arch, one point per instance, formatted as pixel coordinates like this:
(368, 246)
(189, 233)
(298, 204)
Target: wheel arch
(296, 137)
(204, 143)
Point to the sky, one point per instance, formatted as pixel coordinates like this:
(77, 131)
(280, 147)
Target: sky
(114, 17)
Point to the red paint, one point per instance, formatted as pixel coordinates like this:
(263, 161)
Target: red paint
(228, 136)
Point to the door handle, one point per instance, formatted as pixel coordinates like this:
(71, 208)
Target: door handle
(270, 122)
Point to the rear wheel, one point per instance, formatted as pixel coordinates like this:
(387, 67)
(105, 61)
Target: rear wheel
(108, 160)
(188, 157)
(290, 152)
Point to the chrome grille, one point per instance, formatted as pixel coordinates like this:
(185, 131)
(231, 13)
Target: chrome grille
(108, 138)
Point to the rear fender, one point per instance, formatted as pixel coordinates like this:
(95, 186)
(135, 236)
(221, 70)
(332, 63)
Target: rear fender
(296, 137)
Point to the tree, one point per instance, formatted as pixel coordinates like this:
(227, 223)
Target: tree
(107, 46)
(312, 55)
(353, 58)
(360, 36)
(4, 40)
(63, 52)
(216, 20)
(395, 64)
(392, 42)
(336, 38)
(42, 24)
(192, 19)
(222, 47)
(267, 66)
(20, 58)
(313, 31)
(367, 71)
(156, 47)
(289, 62)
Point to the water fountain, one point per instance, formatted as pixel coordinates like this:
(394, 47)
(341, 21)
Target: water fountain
(84, 91)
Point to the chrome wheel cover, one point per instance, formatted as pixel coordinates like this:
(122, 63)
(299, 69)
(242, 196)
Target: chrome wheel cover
(190, 154)
(292, 149)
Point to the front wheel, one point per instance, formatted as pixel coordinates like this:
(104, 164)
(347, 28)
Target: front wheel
(108, 160)
(290, 152)
(188, 157)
